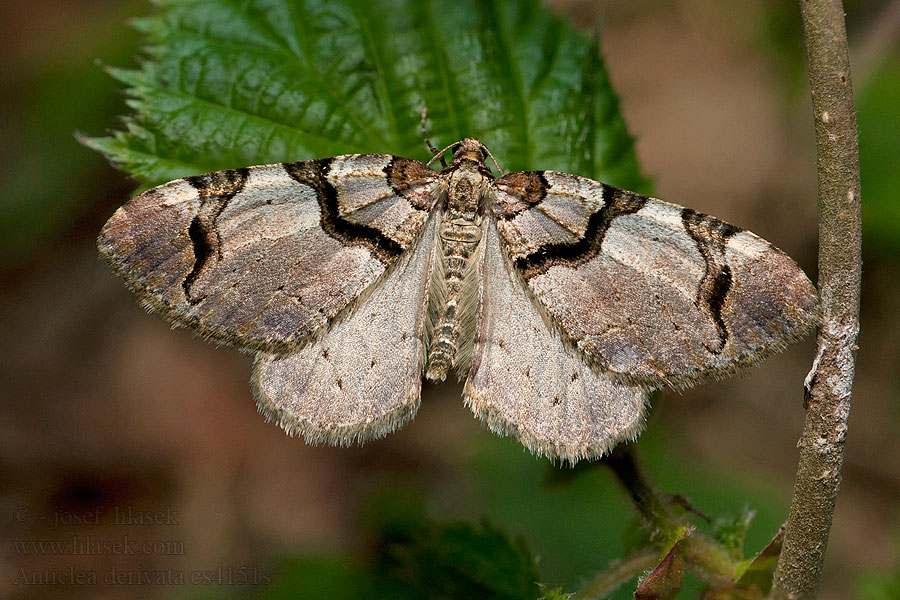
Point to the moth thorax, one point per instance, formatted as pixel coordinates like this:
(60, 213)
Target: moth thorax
(466, 188)
(461, 193)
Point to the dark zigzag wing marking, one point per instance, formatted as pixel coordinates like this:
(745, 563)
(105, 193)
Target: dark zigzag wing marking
(711, 237)
(529, 189)
(314, 174)
(215, 190)
(616, 203)
(404, 177)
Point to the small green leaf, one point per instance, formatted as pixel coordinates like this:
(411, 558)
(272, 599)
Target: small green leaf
(665, 580)
(730, 531)
(229, 84)
(674, 537)
(760, 571)
(555, 594)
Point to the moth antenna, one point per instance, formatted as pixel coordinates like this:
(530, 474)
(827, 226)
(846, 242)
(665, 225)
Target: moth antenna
(496, 164)
(439, 154)
(428, 143)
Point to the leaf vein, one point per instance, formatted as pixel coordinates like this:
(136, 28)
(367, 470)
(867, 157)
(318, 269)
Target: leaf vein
(507, 62)
(284, 51)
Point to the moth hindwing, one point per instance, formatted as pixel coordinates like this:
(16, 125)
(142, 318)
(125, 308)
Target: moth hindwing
(560, 300)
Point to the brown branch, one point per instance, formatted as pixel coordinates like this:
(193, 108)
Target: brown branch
(828, 385)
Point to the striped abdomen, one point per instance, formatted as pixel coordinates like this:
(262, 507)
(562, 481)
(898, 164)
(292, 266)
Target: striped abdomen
(453, 297)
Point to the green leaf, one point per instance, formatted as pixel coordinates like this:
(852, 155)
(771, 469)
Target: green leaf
(229, 84)
(730, 531)
(555, 594)
(458, 561)
(761, 569)
(413, 559)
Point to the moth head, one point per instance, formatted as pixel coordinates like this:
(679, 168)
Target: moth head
(469, 148)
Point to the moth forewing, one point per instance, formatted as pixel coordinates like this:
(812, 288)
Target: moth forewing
(263, 258)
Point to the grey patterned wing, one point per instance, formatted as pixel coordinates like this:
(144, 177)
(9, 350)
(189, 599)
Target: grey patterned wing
(265, 257)
(526, 382)
(362, 379)
(649, 291)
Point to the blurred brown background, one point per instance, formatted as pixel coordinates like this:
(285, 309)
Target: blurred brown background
(106, 409)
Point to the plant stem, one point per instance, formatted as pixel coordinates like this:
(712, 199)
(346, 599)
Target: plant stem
(710, 561)
(624, 465)
(829, 383)
(618, 573)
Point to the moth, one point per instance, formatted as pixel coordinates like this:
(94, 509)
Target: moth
(561, 301)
